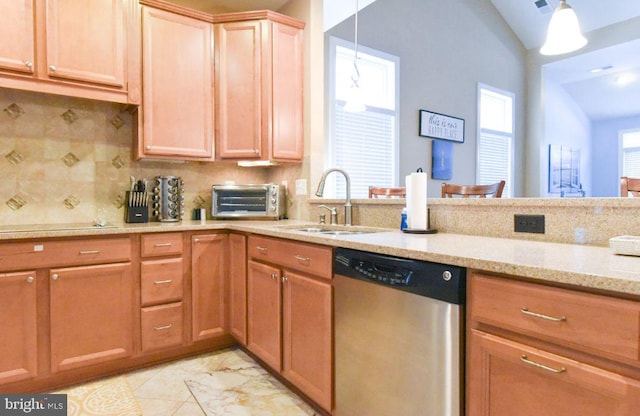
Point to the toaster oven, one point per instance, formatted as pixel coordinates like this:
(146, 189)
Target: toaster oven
(266, 201)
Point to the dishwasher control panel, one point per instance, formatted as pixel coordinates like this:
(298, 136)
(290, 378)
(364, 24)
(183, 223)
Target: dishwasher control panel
(383, 274)
(435, 280)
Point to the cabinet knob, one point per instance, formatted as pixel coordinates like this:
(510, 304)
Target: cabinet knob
(30, 279)
(196, 240)
(284, 279)
(148, 147)
(28, 64)
(55, 277)
(256, 151)
(52, 68)
(274, 275)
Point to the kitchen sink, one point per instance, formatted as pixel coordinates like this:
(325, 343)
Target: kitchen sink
(333, 230)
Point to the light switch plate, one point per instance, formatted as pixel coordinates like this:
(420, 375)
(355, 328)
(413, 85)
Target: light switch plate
(301, 186)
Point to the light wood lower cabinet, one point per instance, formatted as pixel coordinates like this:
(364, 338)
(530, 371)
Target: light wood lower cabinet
(307, 337)
(537, 350)
(18, 351)
(264, 299)
(91, 315)
(208, 286)
(238, 287)
(290, 314)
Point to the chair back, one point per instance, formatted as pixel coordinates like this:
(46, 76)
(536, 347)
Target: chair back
(375, 192)
(480, 191)
(629, 187)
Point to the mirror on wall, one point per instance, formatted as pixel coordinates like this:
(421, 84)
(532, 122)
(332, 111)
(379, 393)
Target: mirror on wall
(445, 50)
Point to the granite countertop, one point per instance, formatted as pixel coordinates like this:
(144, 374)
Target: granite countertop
(578, 265)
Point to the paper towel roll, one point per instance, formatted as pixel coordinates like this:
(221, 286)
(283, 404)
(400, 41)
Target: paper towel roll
(416, 197)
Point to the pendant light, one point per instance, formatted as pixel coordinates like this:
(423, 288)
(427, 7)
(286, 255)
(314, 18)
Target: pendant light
(563, 35)
(355, 102)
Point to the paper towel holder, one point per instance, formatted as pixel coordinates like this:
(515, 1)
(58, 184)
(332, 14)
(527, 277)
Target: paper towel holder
(429, 230)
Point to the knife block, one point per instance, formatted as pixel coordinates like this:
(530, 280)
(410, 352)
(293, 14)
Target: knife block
(136, 207)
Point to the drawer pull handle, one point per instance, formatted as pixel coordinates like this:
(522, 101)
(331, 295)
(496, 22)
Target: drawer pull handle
(162, 282)
(302, 259)
(262, 249)
(542, 316)
(162, 328)
(162, 245)
(526, 360)
(85, 252)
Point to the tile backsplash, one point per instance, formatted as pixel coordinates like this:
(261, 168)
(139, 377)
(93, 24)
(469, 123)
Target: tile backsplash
(68, 160)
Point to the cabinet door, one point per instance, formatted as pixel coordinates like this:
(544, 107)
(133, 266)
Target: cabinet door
(506, 378)
(307, 338)
(17, 51)
(287, 140)
(238, 287)
(177, 55)
(91, 315)
(264, 326)
(18, 358)
(209, 318)
(238, 87)
(86, 41)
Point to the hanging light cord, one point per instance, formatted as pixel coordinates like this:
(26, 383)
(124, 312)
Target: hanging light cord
(356, 75)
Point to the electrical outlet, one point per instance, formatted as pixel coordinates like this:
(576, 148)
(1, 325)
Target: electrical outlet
(528, 223)
(301, 187)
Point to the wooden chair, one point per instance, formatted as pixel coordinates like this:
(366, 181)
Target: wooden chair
(629, 187)
(387, 192)
(481, 191)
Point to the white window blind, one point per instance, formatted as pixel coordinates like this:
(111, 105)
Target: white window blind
(495, 137)
(365, 144)
(631, 154)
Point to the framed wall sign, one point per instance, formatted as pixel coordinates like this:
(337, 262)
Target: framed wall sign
(440, 126)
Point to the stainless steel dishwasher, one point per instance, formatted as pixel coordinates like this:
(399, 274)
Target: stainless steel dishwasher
(398, 336)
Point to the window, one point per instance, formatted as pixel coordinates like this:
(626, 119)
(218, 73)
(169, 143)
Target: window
(495, 137)
(630, 153)
(365, 144)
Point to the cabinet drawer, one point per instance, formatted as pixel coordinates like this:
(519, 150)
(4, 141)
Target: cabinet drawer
(509, 378)
(309, 258)
(161, 281)
(33, 255)
(162, 326)
(163, 244)
(582, 321)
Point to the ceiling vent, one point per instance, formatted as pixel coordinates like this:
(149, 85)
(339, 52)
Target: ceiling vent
(545, 6)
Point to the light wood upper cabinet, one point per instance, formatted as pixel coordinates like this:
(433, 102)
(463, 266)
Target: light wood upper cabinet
(259, 88)
(18, 351)
(177, 113)
(86, 41)
(17, 50)
(79, 48)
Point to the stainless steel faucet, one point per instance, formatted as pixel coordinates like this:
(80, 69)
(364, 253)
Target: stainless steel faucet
(347, 205)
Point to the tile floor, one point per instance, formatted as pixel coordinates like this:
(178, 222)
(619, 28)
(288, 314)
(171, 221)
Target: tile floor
(227, 382)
